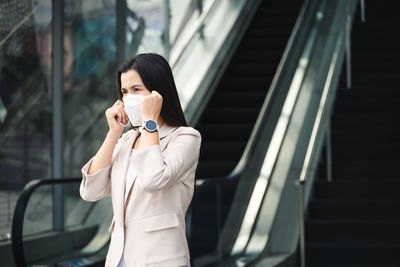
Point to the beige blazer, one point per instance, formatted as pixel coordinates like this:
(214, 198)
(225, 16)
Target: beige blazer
(149, 227)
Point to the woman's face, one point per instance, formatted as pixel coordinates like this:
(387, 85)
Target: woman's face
(131, 83)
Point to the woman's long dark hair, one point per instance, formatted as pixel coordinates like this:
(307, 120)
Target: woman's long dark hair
(156, 75)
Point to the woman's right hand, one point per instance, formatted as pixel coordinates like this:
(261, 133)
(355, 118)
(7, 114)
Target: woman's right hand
(114, 113)
(104, 155)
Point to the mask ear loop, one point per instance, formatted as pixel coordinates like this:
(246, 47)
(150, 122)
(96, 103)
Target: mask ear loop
(123, 125)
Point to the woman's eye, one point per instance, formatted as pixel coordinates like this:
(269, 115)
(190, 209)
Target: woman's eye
(136, 89)
(123, 92)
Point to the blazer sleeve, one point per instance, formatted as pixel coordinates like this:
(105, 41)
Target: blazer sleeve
(158, 170)
(98, 185)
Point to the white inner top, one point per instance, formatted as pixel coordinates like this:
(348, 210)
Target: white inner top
(130, 174)
(129, 179)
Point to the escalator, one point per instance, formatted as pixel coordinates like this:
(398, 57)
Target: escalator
(229, 117)
(354, 219)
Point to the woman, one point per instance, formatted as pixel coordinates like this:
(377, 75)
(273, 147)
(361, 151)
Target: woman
(149, 171)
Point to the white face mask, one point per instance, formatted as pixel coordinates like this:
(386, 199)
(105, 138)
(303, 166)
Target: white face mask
(132, 108)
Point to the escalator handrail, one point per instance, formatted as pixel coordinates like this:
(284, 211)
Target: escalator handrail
(19, 213)
(256, 132)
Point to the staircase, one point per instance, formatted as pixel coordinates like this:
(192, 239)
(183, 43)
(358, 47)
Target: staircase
(355, 219)
(228, 119)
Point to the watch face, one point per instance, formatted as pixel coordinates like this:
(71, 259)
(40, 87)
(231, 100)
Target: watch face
(151, 125)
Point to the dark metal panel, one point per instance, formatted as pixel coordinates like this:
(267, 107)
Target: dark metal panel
(121, 30)
(57, 90)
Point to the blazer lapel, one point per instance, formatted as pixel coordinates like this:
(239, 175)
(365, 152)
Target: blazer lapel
(129, 185)
(124, 154)
(164, 131)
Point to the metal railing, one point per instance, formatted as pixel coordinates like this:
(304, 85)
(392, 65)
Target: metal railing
(323, 108)
(324, 112)
(19, 215)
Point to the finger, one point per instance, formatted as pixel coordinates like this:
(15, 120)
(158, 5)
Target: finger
(110, 112)
(125, 114)
(119, 116)
(158, 96)
(124, 117)
(156, 93)
(114, 111)
(119, 103)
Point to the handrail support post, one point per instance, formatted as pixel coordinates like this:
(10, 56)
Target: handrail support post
(300, 185)
(328, 148)
(219, 226)
(348, 50)
(362, 7)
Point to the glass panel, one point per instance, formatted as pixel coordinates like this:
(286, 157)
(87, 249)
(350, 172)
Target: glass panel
(184, 14)
(181, 12)
(25, 99)
(89, 89)
(84, 225)
(89, 73)
(39, 212)
(146, 19)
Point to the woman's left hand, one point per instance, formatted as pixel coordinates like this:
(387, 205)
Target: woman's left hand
(151, 106)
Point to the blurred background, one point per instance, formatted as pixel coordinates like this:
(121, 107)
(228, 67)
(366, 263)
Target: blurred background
(297, 102)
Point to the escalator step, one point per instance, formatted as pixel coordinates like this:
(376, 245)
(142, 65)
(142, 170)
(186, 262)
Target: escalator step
(370, 118)
(365, 102)
(384, 135)
(252, 69)
(383, 78)
(289, 11)
(246, 84)
(353, 210)
(231, 115)
(218, 150)
(357, 189)
(322, 254)
(367, 168)
(262, 31)
(353, 232)
(359, 151)
(271, 21)
(213, 168)
(368, 90)
(237, 98)
(265, 56)
(237, 131)
(262, 42)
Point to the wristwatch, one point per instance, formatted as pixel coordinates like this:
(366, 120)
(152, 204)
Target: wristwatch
(150, 126)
